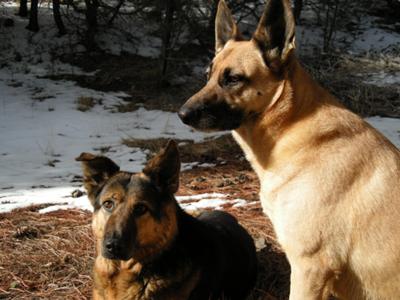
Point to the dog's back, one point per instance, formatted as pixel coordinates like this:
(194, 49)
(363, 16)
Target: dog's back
(228, 258)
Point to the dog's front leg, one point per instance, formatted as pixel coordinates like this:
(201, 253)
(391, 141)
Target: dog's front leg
(308, 281)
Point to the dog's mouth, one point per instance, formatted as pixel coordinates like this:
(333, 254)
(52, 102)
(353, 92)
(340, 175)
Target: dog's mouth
(115, 255)
(218, 116)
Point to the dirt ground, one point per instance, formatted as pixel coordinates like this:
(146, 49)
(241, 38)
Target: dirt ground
(50, 256)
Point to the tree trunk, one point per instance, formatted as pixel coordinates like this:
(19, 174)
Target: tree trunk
(167, 33)
(330, 23)
(57, 17)
(33, 17)
(298, 6)
(91, 23)
(395, 6)
(116, 11)
(23, 8)
(213, 14)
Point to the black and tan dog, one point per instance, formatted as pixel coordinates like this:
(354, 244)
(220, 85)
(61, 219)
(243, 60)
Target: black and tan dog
(149, 248)
(329, 182)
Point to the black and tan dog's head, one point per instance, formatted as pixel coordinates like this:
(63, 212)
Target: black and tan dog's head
(245, 77)
(134, 214)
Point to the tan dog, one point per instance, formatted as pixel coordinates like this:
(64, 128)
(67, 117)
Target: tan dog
(329, 182)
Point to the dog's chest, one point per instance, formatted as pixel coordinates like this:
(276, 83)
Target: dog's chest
(126, 287)
(123, 285)
(131, 284)
(290, 204)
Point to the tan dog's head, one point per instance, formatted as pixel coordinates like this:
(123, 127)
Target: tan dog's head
(134, 214)
(245, 77)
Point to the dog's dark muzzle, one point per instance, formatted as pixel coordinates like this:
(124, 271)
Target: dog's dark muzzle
(215, 115)
(113, 248)
(190, 114)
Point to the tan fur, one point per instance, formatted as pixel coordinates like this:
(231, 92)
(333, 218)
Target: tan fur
(330, 182)
(156, 236)
(119, 280)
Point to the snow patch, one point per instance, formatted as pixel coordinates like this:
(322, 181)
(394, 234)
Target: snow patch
(200, 197)
(41, 137)
(382, 78)
(390, 127)
(55, 197)
(61, 199)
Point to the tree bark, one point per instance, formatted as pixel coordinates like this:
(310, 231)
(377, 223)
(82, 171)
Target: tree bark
(330, 23)
(395, 6)
(23, 8)
(167, 33)
(298, 7)
(57, 17)
(114, 15)
(91, 23)
(33, 17)
(213, 14)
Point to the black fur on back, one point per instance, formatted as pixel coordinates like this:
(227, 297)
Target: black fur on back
(217, 246)
(223, 250)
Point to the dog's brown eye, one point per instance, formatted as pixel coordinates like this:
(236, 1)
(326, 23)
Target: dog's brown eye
(140, 209)
(234, 79)
(108, 205)
(229, 80)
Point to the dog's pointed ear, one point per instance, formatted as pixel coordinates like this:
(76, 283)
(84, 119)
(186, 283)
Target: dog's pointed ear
(164, 168)
(275, 34)
(225, 27)
(96, 170)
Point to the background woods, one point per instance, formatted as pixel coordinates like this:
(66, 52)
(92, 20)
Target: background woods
(180, 22)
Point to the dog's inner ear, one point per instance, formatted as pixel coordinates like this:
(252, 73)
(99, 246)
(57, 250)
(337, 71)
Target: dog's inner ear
(225, 27)
(275, 34)
(164, 168)
(96, 171)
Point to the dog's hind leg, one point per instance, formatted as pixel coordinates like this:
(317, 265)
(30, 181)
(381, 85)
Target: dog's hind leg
(310, 281)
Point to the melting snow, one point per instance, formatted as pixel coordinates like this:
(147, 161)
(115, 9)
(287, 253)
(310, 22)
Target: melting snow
(60, 198)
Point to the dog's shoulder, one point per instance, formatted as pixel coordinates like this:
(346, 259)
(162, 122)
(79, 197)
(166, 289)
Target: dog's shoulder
(225, 227)
(230, 253)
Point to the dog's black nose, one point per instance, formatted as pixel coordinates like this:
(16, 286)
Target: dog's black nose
(112, 245)
(183, 114)
(188, 115)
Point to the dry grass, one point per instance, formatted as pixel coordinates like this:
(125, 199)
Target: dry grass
(223, 147)
(45, 256)
(153, 145)
(86, 103)
(137, 76)
(344, 76)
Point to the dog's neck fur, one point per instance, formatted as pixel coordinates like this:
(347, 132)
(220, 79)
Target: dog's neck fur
(152, 279)
(265, 137)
